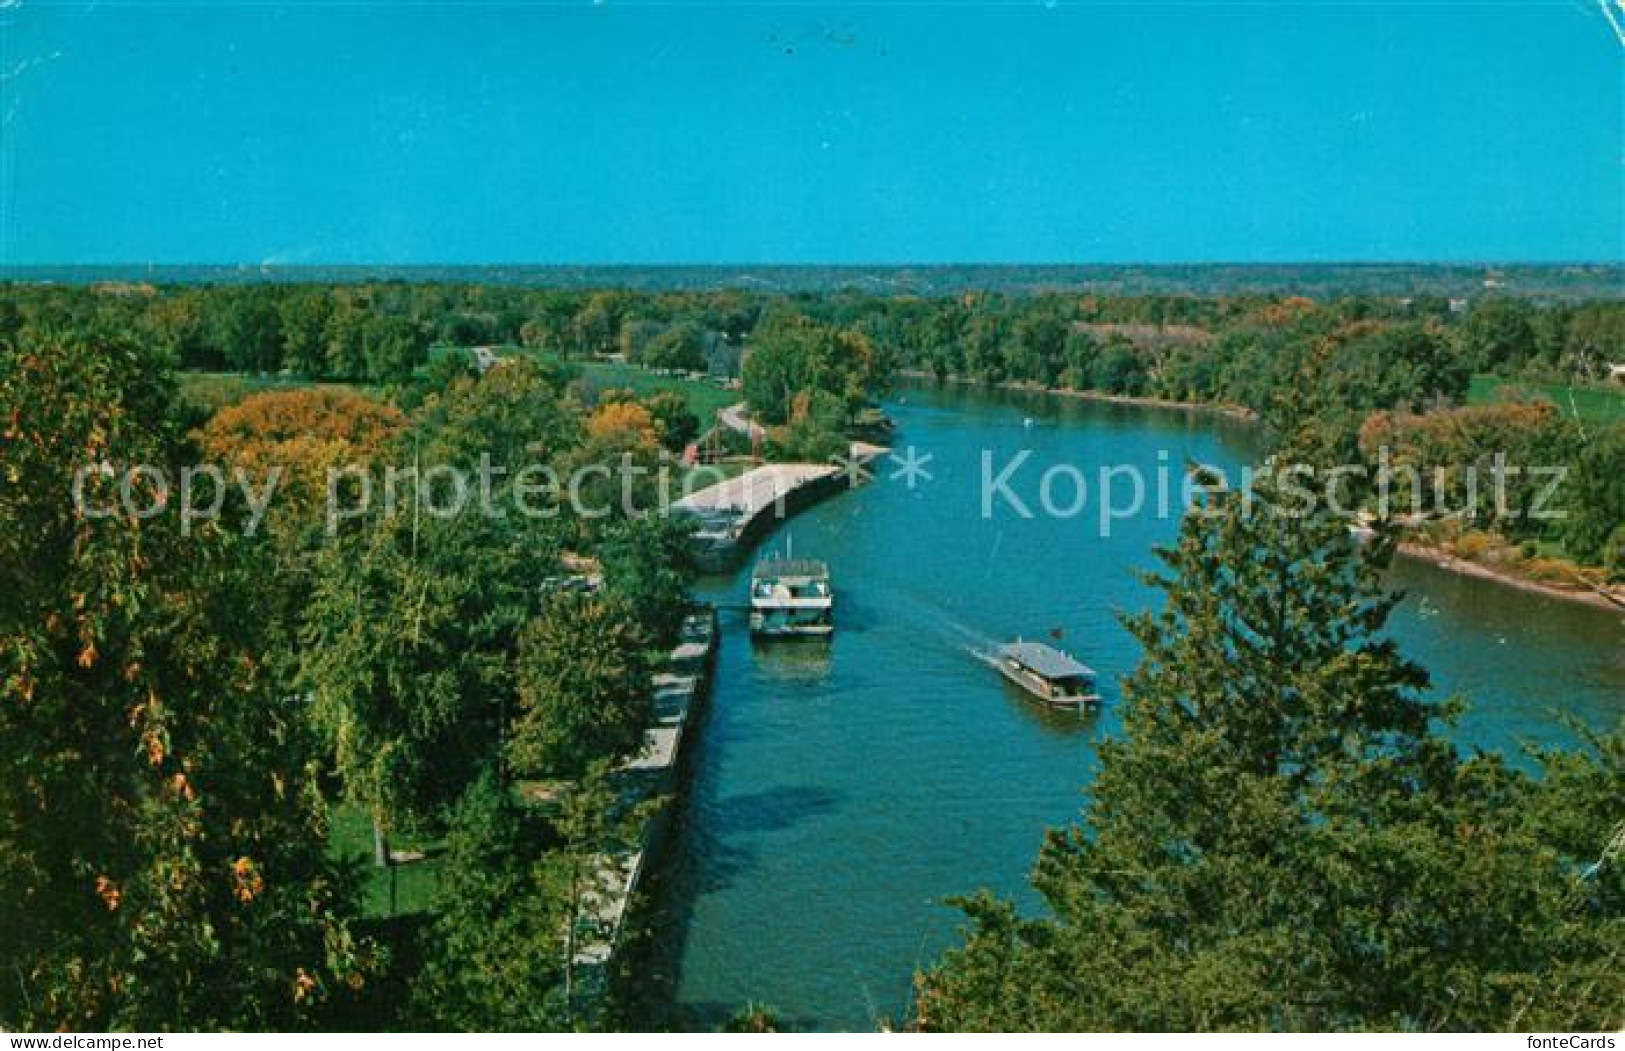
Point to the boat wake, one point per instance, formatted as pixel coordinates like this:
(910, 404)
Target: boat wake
(935, 620)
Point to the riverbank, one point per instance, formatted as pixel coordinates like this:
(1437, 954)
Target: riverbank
(1511, 575)
(680, 689)
(1597, 596)
(1235, 412)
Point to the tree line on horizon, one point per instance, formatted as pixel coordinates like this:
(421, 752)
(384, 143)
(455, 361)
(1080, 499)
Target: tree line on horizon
(381, 331)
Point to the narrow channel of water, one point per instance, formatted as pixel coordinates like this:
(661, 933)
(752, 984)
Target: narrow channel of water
(840, 792)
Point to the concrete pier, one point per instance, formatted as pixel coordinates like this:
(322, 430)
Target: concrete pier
(734, 513)
(680, 689)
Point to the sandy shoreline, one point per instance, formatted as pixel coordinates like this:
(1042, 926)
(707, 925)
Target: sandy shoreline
(1235, 412)
(1577, 593)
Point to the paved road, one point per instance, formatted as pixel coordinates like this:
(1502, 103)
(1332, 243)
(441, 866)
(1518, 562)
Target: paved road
(737, 418)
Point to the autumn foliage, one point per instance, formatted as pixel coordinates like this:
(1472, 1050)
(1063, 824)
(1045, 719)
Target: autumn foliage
(300, 426)
(621, 419)
(303, 433)
(1456, 453)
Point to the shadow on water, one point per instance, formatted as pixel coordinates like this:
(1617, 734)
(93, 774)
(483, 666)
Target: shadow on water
(727, 858)
(673, 891)
(854, 616)
(775, 809)
(1057, 721)
(793, 660)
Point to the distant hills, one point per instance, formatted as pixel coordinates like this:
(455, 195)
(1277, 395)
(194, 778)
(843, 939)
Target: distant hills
(1556, 281)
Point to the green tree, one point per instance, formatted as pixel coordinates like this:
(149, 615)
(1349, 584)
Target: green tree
(162, 855)
(584, 688)
(675, 425)
(648, 562)
(1040, 347)
(1593, 337)
(175, 322)
(346, 341)
(775, 371)
(246, 327)
(393, 347)
(516, 415)
(495, 951)
(1498, 335)
(519, 923)
(414, 713)
(1118, 369)
(793, 355)
(1079, 353)
(595, 326)
(1406, 366)
(304, 317)
(680, 346)
(814, 433)
(1453, 456)
(1596, 499)
(1284, 843)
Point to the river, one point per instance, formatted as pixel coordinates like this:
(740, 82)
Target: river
(839, 792)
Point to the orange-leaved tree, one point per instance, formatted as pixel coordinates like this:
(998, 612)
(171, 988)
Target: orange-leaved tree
(303, 435)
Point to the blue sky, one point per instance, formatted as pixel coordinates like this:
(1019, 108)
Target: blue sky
(637, 133)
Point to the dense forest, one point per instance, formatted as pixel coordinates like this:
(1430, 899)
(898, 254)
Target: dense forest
(196, 717)
(193, 710)
(1434, 384)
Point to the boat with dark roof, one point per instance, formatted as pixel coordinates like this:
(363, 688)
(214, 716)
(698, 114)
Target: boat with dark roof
(1048, 675)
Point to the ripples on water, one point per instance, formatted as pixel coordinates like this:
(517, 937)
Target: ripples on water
(840, 791)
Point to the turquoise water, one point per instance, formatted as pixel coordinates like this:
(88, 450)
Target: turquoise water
(840, 792)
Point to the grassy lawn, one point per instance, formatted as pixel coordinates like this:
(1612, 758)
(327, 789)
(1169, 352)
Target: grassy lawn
(350, 838)
(216, 390)
(703, 399)
(439, 351)
(1589, 404)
